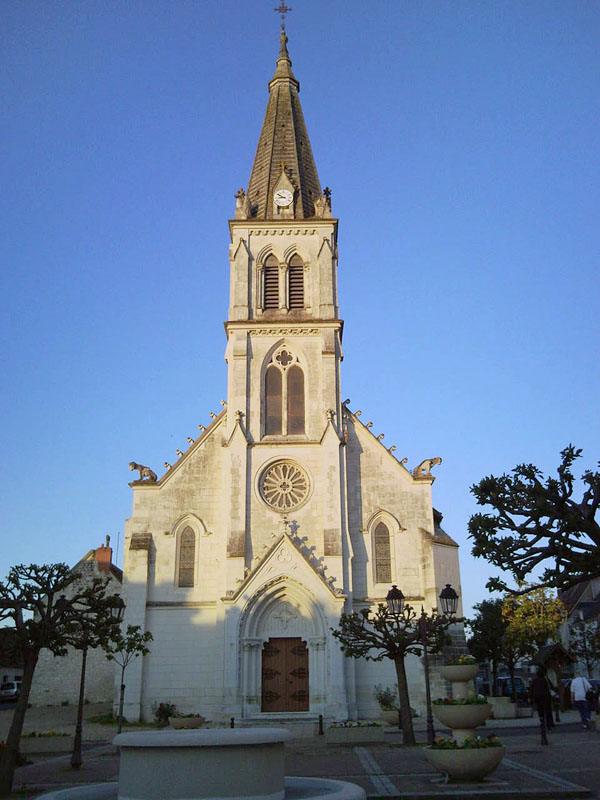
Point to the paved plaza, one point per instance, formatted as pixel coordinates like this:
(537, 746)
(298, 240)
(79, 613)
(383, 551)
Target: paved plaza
(568, 767)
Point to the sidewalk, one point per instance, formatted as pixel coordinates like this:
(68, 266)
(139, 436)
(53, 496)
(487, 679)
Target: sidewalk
(529, 771)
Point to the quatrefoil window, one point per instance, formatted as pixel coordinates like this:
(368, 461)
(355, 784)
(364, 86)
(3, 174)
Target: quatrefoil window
(284, 358)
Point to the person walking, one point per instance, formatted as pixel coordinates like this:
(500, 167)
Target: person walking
(580, 687)
(542, 700)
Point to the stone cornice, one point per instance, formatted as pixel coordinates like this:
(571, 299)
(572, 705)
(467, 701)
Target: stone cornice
(305, 227)
(283, 327)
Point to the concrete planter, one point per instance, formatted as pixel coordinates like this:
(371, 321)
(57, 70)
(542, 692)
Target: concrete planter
(465, 765)
(502, 708)
(390, 718)
(459, 673)
(186, 723)
(356, 735)
(462, 716)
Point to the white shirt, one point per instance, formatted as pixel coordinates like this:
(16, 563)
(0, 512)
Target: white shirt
(579, 687)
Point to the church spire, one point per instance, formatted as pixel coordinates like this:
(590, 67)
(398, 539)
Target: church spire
(284, 155)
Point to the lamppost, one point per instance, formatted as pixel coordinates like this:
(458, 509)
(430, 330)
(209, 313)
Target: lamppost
(116, 608)
(449, 604)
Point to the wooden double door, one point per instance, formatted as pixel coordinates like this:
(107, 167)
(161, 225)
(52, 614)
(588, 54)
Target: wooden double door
(285, 675)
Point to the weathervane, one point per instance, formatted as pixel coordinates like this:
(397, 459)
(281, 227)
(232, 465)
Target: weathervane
(282, 9)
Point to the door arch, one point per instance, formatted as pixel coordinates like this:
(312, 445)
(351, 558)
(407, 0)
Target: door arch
(285, 614)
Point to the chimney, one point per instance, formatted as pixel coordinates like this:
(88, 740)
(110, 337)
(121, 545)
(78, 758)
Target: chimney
(103, 556)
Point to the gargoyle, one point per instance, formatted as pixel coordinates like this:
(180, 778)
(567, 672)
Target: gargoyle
(146, 474)
(424, 468)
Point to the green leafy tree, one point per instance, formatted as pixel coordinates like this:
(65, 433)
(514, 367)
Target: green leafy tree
(488, 635)
(537, 526)
(584, 643)
(379, 634)
(41, 616)
(122, 650)
(531, 619)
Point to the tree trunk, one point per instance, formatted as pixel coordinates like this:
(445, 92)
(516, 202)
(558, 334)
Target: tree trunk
(494, 686)
(10, 753)
(408, 734)
(513, 688)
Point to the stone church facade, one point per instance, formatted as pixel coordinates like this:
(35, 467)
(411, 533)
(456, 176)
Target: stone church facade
(286, 510)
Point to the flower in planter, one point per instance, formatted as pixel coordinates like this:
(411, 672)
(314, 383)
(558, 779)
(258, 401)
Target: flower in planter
(462, 661)
(470, 743)
(350, 723)
(472, 700)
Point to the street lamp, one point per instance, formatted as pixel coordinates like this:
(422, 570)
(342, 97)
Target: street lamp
(395, 600)
(449, 603)
(116, 607)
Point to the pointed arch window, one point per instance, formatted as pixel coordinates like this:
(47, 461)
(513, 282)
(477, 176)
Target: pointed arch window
(187, 558)
(296, 283)
(273, 401)
(284, 396)
(270, 283)
(382, 554)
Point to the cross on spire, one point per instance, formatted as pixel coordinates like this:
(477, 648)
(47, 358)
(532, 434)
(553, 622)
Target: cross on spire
(282, 9)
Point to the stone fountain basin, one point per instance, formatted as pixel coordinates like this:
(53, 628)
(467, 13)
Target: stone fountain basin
(294, 789)
(462, 716)
(209, 764)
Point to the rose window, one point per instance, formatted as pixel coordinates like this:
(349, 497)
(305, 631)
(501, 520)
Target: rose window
(284, 486)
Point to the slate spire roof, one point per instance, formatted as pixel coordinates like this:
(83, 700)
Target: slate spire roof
(283, 143)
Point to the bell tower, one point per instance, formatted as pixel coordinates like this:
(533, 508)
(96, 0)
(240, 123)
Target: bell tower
(283, 330)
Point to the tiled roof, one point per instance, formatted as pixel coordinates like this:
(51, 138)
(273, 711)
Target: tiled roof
(283, 141)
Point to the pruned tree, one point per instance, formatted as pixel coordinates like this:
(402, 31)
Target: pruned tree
(538, 528)
(488, 636)
(41, 616)
(379, 634)
(584, 643)
(122, 650)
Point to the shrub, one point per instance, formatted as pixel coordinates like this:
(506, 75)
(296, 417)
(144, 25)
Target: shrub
(387, 697)
(163, 712)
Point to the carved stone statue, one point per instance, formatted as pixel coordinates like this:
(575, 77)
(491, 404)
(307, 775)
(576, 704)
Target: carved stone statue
(241, 205)
(323, 204)
(146, 474)
(424, 468)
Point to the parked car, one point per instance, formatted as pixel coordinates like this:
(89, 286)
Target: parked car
(505, 687)
(9, 691)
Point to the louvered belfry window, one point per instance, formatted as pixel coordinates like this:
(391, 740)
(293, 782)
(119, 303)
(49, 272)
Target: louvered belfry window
(273, 401)
(296, 283)
(187, 557)
(295, 400)
(383, 558)
(271, 283)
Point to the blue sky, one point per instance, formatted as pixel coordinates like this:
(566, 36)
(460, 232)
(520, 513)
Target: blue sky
(461, 144)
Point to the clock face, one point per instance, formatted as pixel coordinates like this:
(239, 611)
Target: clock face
(283, 197)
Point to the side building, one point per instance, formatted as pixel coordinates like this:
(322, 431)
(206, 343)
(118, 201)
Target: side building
(56, 679)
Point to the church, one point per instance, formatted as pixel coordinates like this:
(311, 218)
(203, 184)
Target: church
(286, 510)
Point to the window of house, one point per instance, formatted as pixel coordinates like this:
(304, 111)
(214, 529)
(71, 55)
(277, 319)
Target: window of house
(271, 283)
(284, 403)
(296, 283)
(187, 558)
(382, 554)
